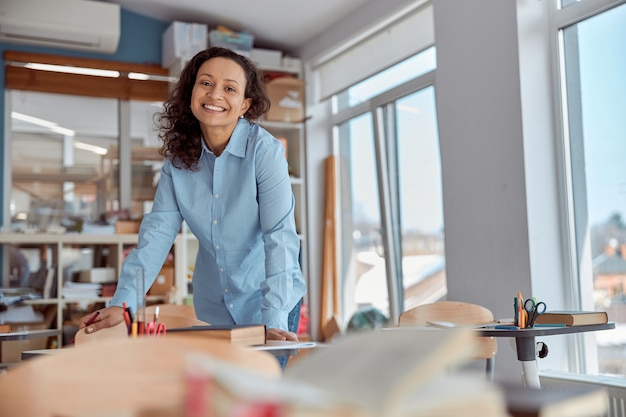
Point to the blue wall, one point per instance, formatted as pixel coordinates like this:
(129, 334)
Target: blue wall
(140, 43)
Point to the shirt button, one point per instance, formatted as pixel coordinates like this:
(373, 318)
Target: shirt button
(214, 221)
(225, 289)
(217, 247)
(221, 269)
(217, 195)
(230, 305)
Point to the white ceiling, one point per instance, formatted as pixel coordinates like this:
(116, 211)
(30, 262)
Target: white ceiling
(277, 24)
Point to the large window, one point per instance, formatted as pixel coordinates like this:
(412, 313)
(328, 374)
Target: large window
(83, 144)
(391, 232)
(65, 160)
(594, 85)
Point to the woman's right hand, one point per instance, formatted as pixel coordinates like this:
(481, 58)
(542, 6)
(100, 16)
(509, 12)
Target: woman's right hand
(107, 317)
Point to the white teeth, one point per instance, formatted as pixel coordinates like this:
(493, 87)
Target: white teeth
(215, 108)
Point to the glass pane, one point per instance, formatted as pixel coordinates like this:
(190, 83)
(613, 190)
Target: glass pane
(58, 143)
(420, 196)
(146, 161)
(564, 3)
(398, 74)
(596, 90)
(362, 264)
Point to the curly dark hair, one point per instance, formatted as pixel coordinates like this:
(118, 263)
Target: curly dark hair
(179, 128)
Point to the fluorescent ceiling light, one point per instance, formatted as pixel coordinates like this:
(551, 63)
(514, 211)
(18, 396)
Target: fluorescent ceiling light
(58, 129)
(43, 123)
(73, 70)
(138, 76)
(91, 148)
(141, 76)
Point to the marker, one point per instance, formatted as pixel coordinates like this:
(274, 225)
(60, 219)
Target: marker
(549, 325)
(127, 318)
(133, 329)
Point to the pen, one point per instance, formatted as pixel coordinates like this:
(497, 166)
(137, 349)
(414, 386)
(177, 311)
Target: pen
(549, 325)
(92, 319)
(506, 327)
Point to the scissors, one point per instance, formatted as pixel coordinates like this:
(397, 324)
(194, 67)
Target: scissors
(534, 310)
(154, 328)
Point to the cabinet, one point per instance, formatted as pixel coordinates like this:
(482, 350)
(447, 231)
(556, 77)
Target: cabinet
(57, 249)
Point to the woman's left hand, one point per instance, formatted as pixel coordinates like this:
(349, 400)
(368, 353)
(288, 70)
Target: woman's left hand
(279, 334)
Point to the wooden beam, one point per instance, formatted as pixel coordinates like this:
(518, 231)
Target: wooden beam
(125, 67)
(18, 77)
(21, 78)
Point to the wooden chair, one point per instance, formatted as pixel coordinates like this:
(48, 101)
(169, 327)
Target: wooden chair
(116, 332)
(144, 376)
(462, 314)
(175, 315)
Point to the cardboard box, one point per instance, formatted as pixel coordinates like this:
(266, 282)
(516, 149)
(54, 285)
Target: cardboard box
(163, 282)
(97, 275)
(291, 62)
(266, 58)
(239, 42)
(11, 350)
(287, 97)
(127, 226)
(181, 41)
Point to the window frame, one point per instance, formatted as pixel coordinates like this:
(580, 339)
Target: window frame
(577, 256)
(381, 107)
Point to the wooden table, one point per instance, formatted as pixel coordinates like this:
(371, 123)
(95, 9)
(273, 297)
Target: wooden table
(526, 345)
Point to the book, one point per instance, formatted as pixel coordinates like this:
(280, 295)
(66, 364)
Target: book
(286, 344)
(573, 318)
(365, 374)
(242, 334)
(571, 401)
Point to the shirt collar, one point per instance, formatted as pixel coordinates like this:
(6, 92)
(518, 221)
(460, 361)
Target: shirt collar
(238, 140)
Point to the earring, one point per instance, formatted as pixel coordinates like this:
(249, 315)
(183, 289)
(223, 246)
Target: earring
(241, 117)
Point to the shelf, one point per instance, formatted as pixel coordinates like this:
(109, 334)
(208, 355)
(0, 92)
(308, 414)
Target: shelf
(48, 238)
(56, 245)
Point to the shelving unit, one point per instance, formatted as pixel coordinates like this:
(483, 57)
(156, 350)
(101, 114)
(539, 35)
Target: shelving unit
(294, 133)
(57, 243)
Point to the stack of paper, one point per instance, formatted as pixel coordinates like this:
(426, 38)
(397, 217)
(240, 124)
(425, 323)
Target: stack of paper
(80, 290)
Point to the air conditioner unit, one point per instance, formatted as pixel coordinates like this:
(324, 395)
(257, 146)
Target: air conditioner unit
(70, 24)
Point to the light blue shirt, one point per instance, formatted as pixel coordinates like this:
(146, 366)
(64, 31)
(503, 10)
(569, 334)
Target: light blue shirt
(240, 206)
